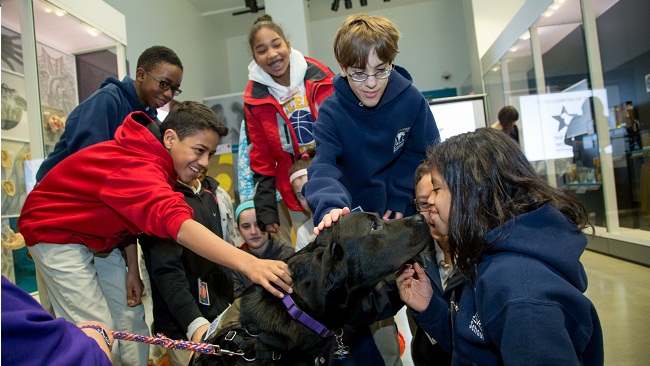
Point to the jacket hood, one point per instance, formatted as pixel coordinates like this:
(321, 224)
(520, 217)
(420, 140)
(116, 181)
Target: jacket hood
(297, 70)
(127, 88)
(547, 235)
(139, 127)
(398, 81)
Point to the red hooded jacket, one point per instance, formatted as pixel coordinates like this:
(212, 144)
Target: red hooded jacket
(108, 192)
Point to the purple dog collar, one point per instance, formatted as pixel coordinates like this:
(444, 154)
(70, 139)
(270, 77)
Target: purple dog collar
(303, 317)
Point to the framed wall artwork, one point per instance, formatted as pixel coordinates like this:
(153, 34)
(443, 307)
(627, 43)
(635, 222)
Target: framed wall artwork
(57, 78)
(14, 188)
(223, 167)
(12, 51)
(230, 109)
(14, 107)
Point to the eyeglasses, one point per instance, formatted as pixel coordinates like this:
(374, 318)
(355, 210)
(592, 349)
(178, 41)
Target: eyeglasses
(165, 85)
(422, 206)
(362, 76)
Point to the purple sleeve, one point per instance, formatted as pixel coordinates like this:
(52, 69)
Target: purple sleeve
(30, 335)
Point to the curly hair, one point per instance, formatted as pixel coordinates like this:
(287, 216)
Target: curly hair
(491, 182)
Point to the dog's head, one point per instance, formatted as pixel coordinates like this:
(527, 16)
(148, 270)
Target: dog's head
(355, 254)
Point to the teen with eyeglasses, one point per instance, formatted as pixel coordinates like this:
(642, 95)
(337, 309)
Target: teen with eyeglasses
(371, 134)
(157, 80)
(446, 281)
(373, 131)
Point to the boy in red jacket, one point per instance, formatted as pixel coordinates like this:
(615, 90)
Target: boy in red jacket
(105, 194)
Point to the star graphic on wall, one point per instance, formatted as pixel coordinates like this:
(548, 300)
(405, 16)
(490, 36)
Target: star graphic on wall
(564, 118)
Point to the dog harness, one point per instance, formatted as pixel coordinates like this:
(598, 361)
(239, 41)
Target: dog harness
(228, 329)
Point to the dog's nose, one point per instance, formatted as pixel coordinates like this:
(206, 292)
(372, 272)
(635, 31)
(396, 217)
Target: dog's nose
(418, 218)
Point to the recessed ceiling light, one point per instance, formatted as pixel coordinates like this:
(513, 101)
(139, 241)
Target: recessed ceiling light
(547, 14)
(513, 49)
(91, 30)
(525, 36)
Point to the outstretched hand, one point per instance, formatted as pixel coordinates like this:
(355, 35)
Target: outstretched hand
(416, 293)
(330, 218)
(266, 272)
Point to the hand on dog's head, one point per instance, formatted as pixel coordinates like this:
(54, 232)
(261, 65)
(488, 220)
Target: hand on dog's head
(355, 254)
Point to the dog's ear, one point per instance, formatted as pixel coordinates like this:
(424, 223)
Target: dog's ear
(334, 273)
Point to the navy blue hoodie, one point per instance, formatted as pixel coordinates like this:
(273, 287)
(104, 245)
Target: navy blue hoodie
(96, 119)
(527, 305)
(367, 156)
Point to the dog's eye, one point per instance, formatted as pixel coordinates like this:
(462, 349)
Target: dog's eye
(374, 226)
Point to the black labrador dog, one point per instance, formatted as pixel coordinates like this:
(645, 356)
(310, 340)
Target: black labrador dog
(331, 276)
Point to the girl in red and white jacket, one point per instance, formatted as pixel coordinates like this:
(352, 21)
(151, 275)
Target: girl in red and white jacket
(281, 101)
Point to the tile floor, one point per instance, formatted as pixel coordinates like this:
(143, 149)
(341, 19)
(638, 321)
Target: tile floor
(620, 290)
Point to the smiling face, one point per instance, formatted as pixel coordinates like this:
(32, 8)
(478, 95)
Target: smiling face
(191, 155)
(253, 236)
(148, 88)
(440, 199)
(370, 91)
(271, 53)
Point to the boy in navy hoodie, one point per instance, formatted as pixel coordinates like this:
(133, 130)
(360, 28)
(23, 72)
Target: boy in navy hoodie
(371, 134)
(373, 131)
(158, 79)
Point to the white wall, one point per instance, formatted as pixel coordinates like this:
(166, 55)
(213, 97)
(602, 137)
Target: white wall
(179, 26)
(433, 41)
(491, 18)
(239, 55)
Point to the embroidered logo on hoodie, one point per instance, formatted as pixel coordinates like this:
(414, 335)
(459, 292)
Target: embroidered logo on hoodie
(400, 138)
(475, 326)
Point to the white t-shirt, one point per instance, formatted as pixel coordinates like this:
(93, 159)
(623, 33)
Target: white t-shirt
(305, 234)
